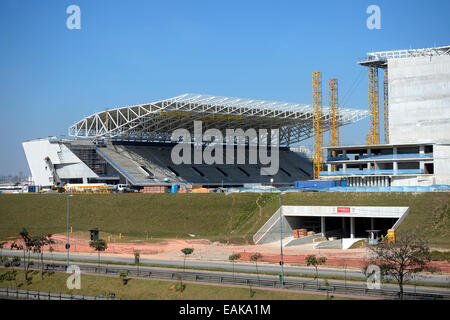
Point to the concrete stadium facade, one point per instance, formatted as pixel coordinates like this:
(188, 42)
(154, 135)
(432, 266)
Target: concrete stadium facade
(418, 152)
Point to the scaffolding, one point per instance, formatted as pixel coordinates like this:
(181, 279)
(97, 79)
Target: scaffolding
(333, 114)
(386, 106)
(374, 118)
(87, 154)
(317, 123)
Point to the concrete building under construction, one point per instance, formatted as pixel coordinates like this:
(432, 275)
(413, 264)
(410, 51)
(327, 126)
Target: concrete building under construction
(416, 148)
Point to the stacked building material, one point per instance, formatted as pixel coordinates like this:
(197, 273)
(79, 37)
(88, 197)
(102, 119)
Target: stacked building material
(154, 189)
(200, 190)
(299, 233)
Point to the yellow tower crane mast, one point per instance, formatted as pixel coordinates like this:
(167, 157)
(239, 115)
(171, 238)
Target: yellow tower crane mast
(333, 114)
(374, 118)
(317, 123)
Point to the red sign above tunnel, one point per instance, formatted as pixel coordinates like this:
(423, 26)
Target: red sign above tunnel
(343, 209)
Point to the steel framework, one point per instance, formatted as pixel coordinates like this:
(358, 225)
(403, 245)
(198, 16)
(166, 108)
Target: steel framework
(379, 59)
(333, 111)
(317, 123)
(374, 118)
(156, 121)
(333, 114)
(386, 106)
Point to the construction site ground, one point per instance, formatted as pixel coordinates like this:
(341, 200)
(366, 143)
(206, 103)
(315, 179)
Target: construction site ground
(205, 250)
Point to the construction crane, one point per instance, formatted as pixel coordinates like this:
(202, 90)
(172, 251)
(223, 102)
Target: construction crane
(386, 106)
(317, 123)
(333, 114)
(57, 183)
(374, 118)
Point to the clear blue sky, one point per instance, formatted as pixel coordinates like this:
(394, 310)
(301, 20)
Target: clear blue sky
(130, 52)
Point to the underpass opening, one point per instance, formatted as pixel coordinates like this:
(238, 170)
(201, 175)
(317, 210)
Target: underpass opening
(347, 223)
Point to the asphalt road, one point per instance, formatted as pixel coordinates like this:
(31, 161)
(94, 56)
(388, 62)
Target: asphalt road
(262, 267)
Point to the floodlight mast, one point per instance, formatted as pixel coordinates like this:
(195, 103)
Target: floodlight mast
(281, 237)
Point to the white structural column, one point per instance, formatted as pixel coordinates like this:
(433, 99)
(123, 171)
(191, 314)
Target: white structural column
(421, 163)
(352, 227)
(322, 225)
(395, 163)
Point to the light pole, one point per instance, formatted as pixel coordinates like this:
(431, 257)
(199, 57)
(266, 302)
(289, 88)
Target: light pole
(281, 239)
(68, 243)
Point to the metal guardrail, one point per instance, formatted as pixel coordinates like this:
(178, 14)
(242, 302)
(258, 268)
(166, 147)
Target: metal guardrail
(229, 279)
(19, 294)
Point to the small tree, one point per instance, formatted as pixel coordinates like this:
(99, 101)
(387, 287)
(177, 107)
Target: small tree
(136, 260)
(255, 257)
(2, 244)
(312, 260)
(99, 245)
(252, 292)
(28, 244)
(123, 277)
(401, 259)
(18, 246)
(186, 252)
(51, 249)
(10, 275)
(37, 246)
(233, 258)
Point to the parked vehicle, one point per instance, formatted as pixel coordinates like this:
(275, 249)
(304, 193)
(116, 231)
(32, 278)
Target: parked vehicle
(123, 188)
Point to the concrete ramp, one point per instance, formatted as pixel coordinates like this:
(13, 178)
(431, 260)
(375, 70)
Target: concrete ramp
(304, 240)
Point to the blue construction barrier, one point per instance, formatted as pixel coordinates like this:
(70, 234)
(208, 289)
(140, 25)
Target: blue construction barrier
(390, 189)
(371, 172)
(338, 188)
(315, 184)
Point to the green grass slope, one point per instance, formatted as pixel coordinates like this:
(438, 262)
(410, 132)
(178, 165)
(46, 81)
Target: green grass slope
(235, 217)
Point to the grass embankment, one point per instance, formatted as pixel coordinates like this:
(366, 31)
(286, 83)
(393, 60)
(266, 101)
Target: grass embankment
(219, 217)
(216, 217)
(92, 285)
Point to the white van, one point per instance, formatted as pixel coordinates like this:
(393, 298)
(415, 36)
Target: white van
(123, 188)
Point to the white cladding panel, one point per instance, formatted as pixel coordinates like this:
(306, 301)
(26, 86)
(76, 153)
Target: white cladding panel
(441, 155)
(419, 100)
(67, 164)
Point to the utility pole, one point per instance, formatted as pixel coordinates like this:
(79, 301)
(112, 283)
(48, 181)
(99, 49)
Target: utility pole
(281, 240)
(68, 243)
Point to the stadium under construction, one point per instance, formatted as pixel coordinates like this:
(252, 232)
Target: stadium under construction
(134, 145)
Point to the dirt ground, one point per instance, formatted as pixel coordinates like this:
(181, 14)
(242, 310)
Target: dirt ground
(170, 249)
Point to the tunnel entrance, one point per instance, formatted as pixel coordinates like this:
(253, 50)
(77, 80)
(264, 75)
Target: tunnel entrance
(349, 223)
(340, 227)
